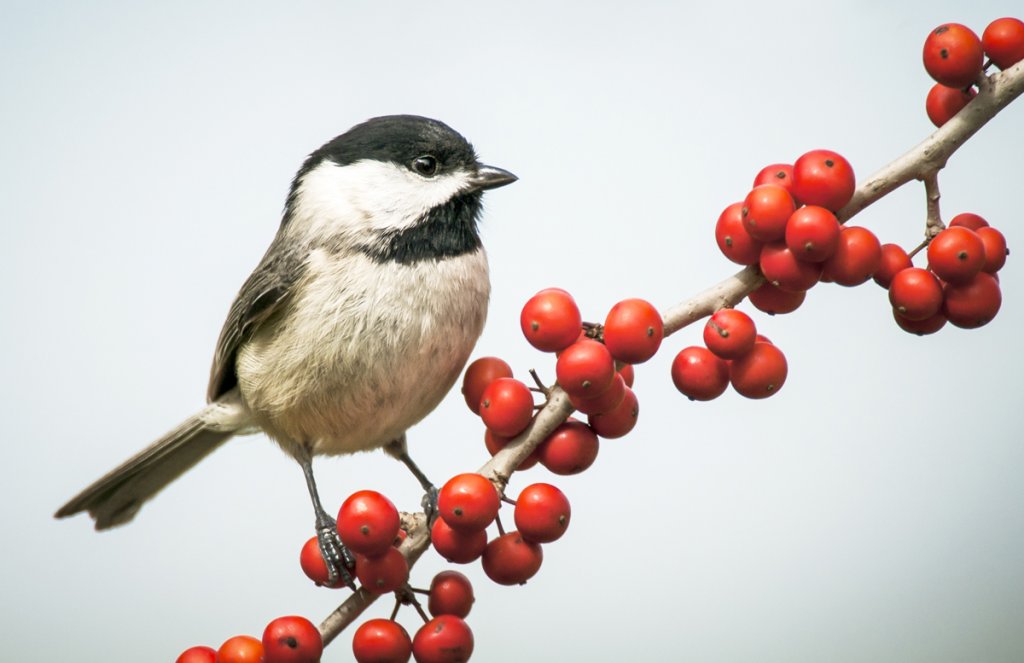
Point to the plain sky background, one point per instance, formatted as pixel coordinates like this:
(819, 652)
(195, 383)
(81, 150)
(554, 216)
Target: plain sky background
(872, 511)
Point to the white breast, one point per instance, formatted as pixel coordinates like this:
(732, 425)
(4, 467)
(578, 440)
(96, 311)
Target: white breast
(363, 350)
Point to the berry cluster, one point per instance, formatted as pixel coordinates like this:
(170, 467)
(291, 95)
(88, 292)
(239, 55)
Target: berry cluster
(735, 354)
(285, 640)
(960, 284)
(954, 56)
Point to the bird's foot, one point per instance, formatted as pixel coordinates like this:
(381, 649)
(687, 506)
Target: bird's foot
(341, 564)
(429, 503)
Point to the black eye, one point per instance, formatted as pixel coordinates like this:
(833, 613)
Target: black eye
(425, 165)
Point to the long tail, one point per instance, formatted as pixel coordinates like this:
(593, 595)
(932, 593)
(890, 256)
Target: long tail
(116, 498)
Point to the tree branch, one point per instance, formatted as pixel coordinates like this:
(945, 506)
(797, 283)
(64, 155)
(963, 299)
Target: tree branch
(926, 158)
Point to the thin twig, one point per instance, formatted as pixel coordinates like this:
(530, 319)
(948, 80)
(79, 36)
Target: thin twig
(933, 222)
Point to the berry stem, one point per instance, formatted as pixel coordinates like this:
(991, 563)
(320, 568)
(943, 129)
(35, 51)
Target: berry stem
(541, 387)
(919, 248)
(933, 223)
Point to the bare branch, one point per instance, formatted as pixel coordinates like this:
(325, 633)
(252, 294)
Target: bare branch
(926, 158)
(931, 154)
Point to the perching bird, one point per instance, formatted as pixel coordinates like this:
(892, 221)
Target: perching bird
(354, 325)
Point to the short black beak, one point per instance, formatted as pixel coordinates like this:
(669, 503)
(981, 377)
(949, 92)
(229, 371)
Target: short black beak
(489, 177)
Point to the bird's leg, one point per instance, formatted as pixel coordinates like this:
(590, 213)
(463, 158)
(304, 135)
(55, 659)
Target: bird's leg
(339, 560)
(398, 449)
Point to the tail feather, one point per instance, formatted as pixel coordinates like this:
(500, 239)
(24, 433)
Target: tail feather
(116, 497)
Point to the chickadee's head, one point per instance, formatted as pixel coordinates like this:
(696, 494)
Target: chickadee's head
(399, 187)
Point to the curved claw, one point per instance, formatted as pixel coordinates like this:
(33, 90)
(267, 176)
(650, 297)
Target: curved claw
(340, 562)
(429, 503)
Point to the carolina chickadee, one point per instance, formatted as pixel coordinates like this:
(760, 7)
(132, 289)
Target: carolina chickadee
(354, 325)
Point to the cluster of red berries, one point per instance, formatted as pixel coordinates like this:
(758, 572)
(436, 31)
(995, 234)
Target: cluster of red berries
(285, 640)
(734, 354)
(370, 526)
(954, 56)
(960, 284)
(787, 225)
(444, 639)
(596, 374)
(469, 503)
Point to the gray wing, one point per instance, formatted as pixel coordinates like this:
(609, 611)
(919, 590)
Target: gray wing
(263, 293)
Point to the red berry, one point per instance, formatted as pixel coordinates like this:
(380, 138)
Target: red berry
(973, 304)
(969, 221)
(1003, 41)
(603, 402)
(551, 320)
(733, 239)
(699, 375)
(953, 55)
(542, 513)
(894, 260)
(942, 102)
(995, 249)
(312, 562)
(823, 178)
(766, 210)
(915, 294)
(570, 449)
(512, 560)
(368, 522)
(444, 639)
(729, 333)
(812, 233)
(920, 327)
(481, 373)
(760, 373)
(455, 546)
(468, 502)
(633, 331)
(496, 443)
(197, 655)
(858, 256)
(774, 300)
(451, 593)
(619, 421)
(956, 254)
(292, 639)
(585, 368)
(384, 573)
(381, 641)
(627, 374)
(777, 173)
(506, 406)
(240, 649)
(785, 271)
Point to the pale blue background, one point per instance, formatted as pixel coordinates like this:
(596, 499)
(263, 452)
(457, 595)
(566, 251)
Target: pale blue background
(873, 511)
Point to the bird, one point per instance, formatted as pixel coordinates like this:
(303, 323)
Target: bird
(353, 327)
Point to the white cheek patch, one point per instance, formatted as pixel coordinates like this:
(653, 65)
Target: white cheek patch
(368, 196)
